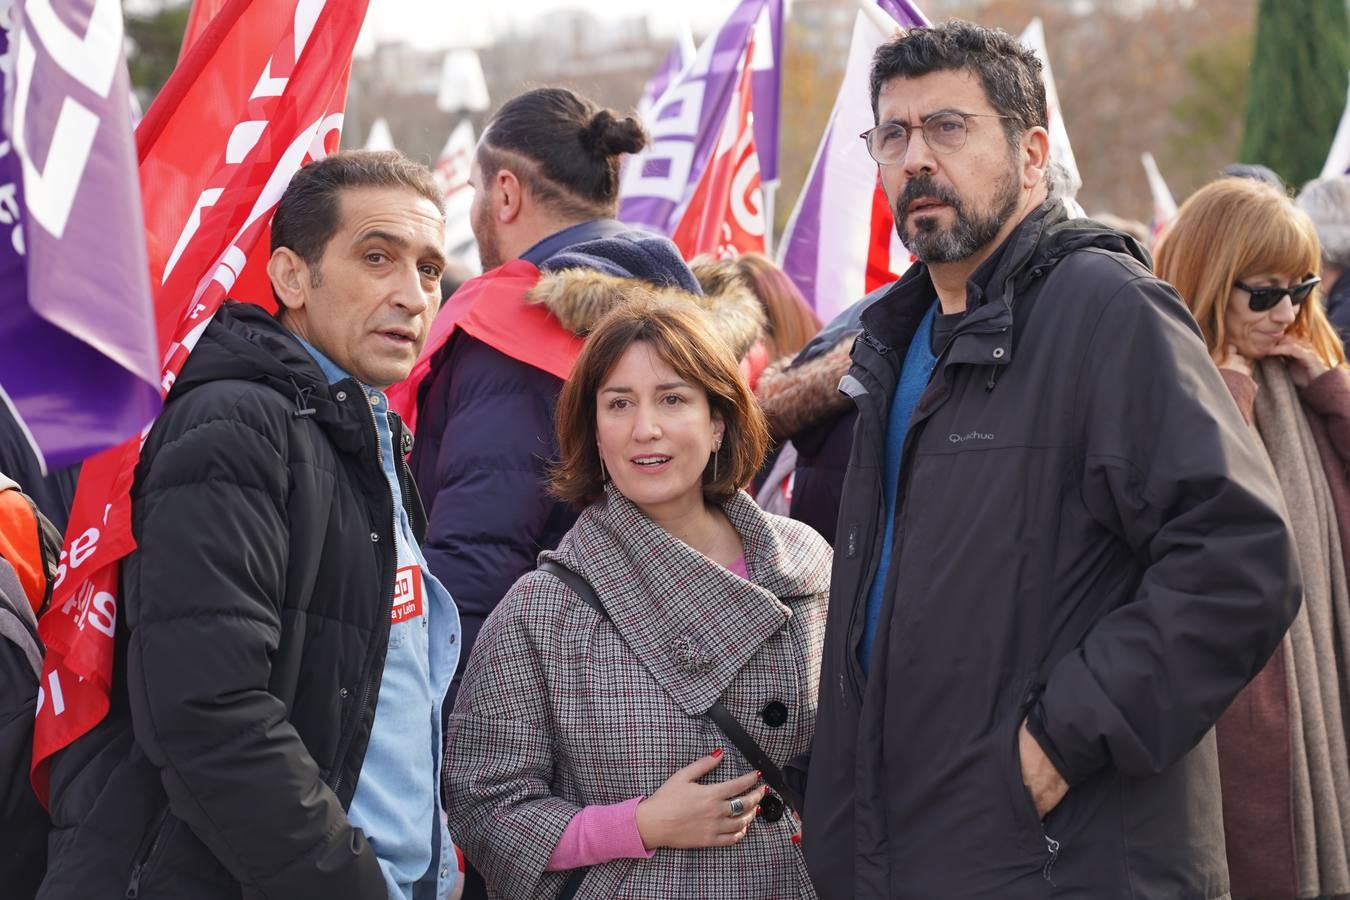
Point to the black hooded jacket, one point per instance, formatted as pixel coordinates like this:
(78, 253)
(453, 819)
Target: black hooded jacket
(250, 643)
(1085, 535)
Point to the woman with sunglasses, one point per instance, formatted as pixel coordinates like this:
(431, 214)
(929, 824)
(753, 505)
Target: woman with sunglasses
(1243, 257)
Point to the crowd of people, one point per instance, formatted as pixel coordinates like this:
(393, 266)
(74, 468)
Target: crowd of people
(615, 574)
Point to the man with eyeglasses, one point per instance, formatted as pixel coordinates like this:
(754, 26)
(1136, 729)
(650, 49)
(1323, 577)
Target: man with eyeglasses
(1059, 554)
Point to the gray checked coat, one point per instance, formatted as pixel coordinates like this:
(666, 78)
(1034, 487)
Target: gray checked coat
(560, 708)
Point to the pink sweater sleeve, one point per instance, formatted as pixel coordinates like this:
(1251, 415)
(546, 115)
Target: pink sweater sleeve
(599, 834)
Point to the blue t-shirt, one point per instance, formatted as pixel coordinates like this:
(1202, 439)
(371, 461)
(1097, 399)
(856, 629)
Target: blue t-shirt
(397, 801)
(919, 362)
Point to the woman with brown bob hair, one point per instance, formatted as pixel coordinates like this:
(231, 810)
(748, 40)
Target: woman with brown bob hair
(582, 758)
(1244, 258)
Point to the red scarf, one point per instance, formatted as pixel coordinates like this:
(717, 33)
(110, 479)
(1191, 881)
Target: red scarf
(493, 309)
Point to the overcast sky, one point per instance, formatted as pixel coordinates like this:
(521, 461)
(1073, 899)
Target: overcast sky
(431, 24)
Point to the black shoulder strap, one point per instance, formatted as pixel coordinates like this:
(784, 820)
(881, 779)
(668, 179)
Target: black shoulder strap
(579, 585)
(755, 755)
(738, 736)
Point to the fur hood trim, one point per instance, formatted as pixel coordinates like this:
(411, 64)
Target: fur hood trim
(580, 298)
(797, 397)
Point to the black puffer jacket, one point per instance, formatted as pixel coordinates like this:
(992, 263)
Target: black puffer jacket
(250, 652)
(1085, 533)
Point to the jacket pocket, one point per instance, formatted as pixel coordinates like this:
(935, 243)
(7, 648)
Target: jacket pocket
(146, 852)
(1028, 826)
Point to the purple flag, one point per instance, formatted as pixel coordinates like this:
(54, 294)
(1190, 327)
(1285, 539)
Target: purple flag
(680, 55)
(766, 89)
(839, 242)
(686, 122)
(80, 365)
(905, 14)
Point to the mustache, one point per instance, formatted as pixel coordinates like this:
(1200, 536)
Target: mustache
(923, 187)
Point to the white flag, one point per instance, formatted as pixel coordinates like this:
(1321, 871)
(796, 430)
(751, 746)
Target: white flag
(1164, 205)
(462, 84)
(452, 174)
(1338, 160)
(1060, 151)
(379, 137)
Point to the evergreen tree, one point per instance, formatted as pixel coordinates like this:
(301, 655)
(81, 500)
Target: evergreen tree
(1298, 84)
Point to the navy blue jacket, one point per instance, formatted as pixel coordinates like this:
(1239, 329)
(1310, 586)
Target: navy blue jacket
(485, 437)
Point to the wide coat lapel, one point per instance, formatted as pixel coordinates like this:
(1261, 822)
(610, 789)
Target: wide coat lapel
(690, 622)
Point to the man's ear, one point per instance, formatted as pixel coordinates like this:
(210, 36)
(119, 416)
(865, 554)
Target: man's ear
(508, 196)
(289, 275)
(1035, 156)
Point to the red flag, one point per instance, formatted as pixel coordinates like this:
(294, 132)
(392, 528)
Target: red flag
(257, 95)
(725, 216)
(887, 258)
(203, 11)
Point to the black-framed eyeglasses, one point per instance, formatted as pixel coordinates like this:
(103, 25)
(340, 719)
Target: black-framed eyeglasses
(944, 132)
(1265, 298)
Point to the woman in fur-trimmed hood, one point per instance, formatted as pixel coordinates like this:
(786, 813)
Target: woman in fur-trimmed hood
(580, 760)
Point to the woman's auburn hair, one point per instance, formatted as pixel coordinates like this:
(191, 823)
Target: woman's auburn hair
(791, 323)
(1237, 228)
(680, 333)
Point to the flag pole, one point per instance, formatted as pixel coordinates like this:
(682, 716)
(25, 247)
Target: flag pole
(769, 190)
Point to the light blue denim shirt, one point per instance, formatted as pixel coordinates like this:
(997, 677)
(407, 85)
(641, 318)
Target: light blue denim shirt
(398, 798)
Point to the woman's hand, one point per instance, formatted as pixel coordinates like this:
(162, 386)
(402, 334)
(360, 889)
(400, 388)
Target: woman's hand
(687, 815)
(1305, 366)
(1232, 359)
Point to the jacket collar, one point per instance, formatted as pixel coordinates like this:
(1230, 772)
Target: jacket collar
(592, 230)
(692, 623)
(894, 317)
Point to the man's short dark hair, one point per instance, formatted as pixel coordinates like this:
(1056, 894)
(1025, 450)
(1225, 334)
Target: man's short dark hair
(1010, 73)
(563, 148)
(307, 216)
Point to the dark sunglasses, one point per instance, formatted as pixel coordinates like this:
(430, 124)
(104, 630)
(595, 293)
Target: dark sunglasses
(1266, 298)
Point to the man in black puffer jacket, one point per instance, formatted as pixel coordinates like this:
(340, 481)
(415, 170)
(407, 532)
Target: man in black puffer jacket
(276, 523)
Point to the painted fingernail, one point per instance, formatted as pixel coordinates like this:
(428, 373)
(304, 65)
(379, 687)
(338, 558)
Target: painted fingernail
(717, 752)
(759, 774)
(796, 839)
(758, 810)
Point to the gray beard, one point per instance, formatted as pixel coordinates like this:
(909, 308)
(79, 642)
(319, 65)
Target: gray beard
(970, 233)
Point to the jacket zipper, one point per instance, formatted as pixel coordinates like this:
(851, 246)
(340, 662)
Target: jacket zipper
(143, 859)
(1052, 848)
(870, 563)
(369, 686)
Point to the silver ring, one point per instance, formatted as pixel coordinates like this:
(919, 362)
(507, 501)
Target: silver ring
(737, 806)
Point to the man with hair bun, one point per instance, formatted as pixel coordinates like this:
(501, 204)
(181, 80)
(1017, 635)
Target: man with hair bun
(546, 189)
